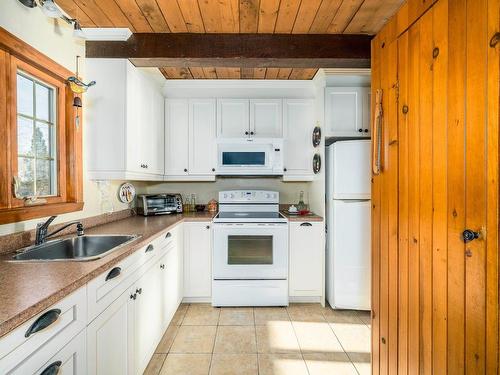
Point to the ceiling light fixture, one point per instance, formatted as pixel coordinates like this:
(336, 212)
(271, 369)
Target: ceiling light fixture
(50, 9)
(77, 30)
(28, 3)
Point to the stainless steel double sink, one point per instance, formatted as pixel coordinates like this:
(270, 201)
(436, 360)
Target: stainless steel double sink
(81, 248)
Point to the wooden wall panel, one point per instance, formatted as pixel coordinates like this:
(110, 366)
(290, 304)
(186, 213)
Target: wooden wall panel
(439, 68)
(456, 191)
(492, 253)
(447, 171)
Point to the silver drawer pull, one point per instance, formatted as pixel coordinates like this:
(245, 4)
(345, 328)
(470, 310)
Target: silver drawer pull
(43, 321)
(52, 369)
(114, 273)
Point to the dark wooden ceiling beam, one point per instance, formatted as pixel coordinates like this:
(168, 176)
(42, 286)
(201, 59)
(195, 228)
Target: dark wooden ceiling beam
(185, 50)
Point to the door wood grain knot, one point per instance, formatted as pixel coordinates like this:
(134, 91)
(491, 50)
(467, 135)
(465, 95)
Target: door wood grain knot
(494, 39)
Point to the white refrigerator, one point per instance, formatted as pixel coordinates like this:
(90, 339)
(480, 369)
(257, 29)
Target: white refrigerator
(348, 205)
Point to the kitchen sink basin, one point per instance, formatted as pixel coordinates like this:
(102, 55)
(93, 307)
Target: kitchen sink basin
(81, 248)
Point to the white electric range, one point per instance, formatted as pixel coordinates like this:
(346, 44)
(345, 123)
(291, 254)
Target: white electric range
(250, 252)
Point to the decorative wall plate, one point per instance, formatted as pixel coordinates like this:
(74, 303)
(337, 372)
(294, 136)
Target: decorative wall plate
(316, 163)
(126, 193)
(316, 136)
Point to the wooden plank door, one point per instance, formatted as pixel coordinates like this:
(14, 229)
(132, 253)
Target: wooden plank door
(440, 176)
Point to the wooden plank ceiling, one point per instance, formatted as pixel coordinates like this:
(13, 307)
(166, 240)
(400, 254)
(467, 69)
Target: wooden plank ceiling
(235, 16)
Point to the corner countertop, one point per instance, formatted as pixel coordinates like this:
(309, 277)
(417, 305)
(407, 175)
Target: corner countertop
(26, 289)
(310, 217)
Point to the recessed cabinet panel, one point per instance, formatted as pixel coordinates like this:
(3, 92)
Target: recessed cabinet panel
(176, 137)
(197, 260)
(347, 111)
(306, 259)
(266, 118)
(202, 137)
(299, 124)
(233, 118)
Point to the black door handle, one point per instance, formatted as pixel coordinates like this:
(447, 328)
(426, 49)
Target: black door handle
(149, 248)
(168, 235)
(43, 321)
(469, 235)
(52, 369)
(306, 225)
(113, 273)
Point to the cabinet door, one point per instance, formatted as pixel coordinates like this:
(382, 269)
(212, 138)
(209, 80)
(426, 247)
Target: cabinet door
(147, 316)
(170, 297)
(134, 132)
(344, 111)
(233, 118)
(202, 137)
(197, 259)
(299, 124)
(176, 137)
(110, 339)
(367, 97)
(155, 136)
(266, 118)
(306, 259)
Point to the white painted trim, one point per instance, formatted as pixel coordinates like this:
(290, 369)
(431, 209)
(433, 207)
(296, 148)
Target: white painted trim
(107, 34)
(305, 299)
(238, 83)
(197, 300)
(346, 71)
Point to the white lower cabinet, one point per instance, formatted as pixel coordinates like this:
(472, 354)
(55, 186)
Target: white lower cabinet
(110, 339)
(197, 260)
(306, 259)
(147, 316)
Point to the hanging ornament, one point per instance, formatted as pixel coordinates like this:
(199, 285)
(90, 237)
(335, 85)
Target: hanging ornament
(78, 87)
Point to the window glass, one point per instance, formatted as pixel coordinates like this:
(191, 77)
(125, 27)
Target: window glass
(36, 137)
(250, 250)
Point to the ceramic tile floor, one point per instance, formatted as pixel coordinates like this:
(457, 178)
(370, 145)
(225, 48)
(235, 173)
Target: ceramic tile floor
(303, 339)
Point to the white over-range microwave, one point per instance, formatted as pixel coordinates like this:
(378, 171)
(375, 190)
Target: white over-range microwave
(252, 156)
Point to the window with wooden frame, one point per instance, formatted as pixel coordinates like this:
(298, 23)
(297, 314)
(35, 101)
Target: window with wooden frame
(40, 161)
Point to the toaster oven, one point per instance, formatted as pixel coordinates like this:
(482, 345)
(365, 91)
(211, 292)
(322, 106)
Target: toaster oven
(159, 204)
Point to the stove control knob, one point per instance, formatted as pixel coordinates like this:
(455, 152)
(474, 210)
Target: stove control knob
(268, 196)
(231, 196)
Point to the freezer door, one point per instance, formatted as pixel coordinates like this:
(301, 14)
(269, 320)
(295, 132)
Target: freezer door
(351, 173)
(349, 260)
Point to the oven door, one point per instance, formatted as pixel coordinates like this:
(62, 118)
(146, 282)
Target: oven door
(250, 251)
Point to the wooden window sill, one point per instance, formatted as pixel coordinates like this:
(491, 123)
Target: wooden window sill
(32, 212)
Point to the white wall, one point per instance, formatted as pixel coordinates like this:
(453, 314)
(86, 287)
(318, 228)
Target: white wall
(54, 39)
(289, 191)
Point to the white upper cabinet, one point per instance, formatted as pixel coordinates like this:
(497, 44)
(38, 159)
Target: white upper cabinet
(202, 140)
(190, 139)
(233, 118)
(124, 122)
(176, 137)
(266, 118)
(252, 118)
(347, 111)
(298, 117)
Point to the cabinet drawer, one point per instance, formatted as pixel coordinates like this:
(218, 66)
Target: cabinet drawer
(51, 329)
(105, 288)
(70, 359)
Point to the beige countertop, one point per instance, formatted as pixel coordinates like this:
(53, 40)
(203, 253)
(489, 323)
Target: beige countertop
(26, 289)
